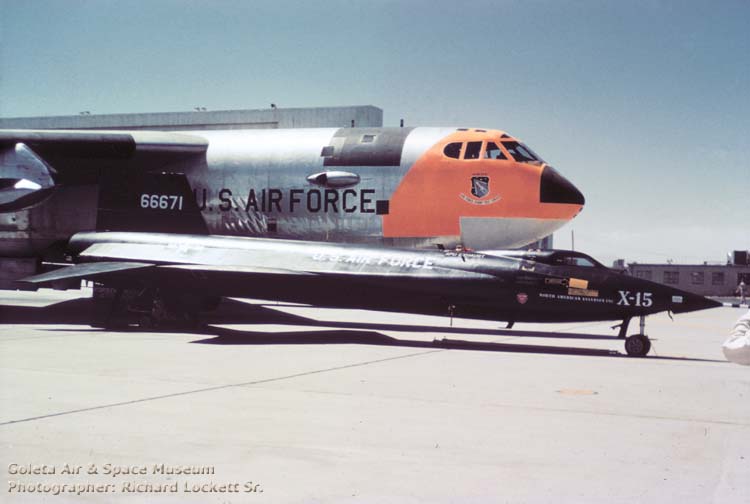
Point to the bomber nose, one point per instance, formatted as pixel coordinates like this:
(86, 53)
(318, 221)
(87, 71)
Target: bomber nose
(555, 188)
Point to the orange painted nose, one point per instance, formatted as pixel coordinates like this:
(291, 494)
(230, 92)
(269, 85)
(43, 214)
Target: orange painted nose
(554, 188)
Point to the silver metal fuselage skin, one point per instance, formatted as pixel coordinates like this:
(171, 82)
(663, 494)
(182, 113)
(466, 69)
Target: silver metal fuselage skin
(262, 183)
(238, 162)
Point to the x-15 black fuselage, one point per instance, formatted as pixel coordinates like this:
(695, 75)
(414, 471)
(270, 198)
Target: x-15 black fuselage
(512, 286)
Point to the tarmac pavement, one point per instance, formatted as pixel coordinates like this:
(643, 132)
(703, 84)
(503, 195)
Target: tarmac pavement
(287, 403)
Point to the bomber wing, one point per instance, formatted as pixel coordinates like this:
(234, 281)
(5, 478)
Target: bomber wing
(76, 156)
(107, 269)
(85, 271)
(106, 143)
(172, 260)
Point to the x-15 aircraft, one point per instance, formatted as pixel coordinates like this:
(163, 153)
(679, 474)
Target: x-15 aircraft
(173, 276)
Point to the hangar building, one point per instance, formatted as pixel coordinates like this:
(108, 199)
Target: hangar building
(315, 117)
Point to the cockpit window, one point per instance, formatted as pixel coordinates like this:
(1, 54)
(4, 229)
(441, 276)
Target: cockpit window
(573, 259)
(493, 152)
(453, 150)
(472, 150)
(555, 257)
(519, 152)
(579, 261)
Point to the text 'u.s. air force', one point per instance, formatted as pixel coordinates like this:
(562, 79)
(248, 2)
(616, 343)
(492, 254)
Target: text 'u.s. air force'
(291, 200)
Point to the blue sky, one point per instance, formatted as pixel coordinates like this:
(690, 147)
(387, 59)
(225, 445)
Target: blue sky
(645, 105)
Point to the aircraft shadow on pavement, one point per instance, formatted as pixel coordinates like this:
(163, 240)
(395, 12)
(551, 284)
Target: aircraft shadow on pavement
(266, 314)
(78, 312)
(362, 333)
(224, 336)
(74, 311)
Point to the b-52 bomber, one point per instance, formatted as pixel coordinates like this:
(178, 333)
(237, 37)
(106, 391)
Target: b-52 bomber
(182, 273)
(402, 187)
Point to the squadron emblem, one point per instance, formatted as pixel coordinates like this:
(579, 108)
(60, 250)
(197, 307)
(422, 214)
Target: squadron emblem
(480, 186)
(480, 189)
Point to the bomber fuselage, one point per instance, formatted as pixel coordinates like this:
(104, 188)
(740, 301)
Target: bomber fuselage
(409, 187)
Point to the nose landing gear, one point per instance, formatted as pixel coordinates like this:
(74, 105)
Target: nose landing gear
(638, 345)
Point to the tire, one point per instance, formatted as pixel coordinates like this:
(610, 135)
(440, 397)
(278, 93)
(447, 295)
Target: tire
(637, 345)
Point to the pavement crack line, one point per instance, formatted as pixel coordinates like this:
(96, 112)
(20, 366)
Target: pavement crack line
(219, 387)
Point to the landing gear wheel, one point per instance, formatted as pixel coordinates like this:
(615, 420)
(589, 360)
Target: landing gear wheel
(637, 345)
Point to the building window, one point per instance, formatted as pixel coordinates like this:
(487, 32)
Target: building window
(645, 274)
(717, 278)
(672, 277)
(697, 278)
